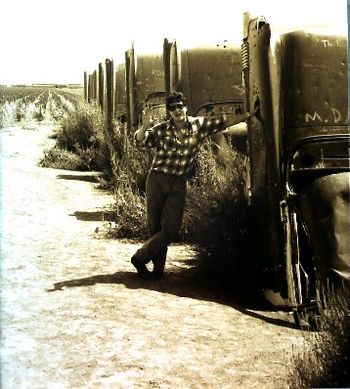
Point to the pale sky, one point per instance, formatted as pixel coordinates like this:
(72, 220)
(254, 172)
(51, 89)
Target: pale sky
(57, 40)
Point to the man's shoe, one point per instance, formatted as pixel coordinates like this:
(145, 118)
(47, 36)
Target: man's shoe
(157, 275)
(140, 267)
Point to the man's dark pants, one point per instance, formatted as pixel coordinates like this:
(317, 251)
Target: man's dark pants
(166, 196)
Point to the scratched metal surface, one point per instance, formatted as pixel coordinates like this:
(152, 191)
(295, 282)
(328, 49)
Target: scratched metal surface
(210, 74)
(149, 76)
(314, 80)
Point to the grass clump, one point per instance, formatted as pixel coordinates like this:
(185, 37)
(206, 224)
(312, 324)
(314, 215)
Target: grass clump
(80, 139)
(130, 207)
(130, 165)
(324, 360)
(57, 158)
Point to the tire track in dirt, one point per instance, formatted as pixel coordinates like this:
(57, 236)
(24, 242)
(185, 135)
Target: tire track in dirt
(74, 315)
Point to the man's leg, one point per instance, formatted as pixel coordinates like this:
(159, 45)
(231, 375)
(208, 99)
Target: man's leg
(155, 204)
(159, 264)
(174, 190)
(155, 200)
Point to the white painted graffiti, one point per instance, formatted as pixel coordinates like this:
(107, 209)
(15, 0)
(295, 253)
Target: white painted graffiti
(337, 116)
(313, 117)
(330, 43)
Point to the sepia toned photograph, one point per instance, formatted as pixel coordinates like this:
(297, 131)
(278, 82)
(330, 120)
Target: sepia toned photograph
(175, 189)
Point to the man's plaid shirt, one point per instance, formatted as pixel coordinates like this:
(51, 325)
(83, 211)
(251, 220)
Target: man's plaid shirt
(172, 154)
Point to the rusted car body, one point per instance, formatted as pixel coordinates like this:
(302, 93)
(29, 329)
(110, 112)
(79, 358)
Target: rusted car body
(120, 90)
(299, 160)
(210, 79)
(145, 86)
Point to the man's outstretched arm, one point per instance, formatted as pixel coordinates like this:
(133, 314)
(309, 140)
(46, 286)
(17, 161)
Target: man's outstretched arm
(232, 121)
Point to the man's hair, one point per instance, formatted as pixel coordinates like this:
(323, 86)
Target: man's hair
(176, 97)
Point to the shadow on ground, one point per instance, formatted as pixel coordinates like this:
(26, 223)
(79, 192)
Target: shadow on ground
(183, 283)
(95, 216)
(80, 177)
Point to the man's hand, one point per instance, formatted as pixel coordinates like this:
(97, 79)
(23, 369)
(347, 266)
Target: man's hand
(147, 122)
(147, 117)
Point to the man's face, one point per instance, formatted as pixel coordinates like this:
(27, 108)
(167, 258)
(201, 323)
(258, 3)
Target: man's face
(178, 112)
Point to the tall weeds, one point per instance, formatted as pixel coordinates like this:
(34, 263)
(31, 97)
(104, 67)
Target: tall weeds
(217, 218)
(130, 208)
(80, 142)
(324, 359)
(131, 165)
(128, 181)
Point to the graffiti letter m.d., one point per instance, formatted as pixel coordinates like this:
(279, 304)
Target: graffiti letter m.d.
(337, 116)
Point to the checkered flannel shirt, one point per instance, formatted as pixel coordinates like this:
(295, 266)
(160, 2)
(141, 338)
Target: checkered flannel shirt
(172, 154)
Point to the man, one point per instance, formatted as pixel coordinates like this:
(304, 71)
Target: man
(176, 143)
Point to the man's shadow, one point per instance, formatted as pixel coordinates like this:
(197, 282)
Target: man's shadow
(183, 283)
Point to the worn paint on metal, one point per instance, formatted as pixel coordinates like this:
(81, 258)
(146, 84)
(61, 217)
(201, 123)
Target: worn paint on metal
(314, 80)
(264, 154)
(101, 85)
(109, 85)
(131, 89)
(120, 88)
(171, 66)
(149, 76)
(210, 74)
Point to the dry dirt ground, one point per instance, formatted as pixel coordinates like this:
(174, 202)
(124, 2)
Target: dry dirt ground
(74, 314)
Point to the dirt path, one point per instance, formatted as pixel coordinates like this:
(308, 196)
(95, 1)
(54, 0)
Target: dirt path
(74, 315)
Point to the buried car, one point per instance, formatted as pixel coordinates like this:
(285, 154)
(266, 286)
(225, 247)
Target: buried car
(299, 162)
